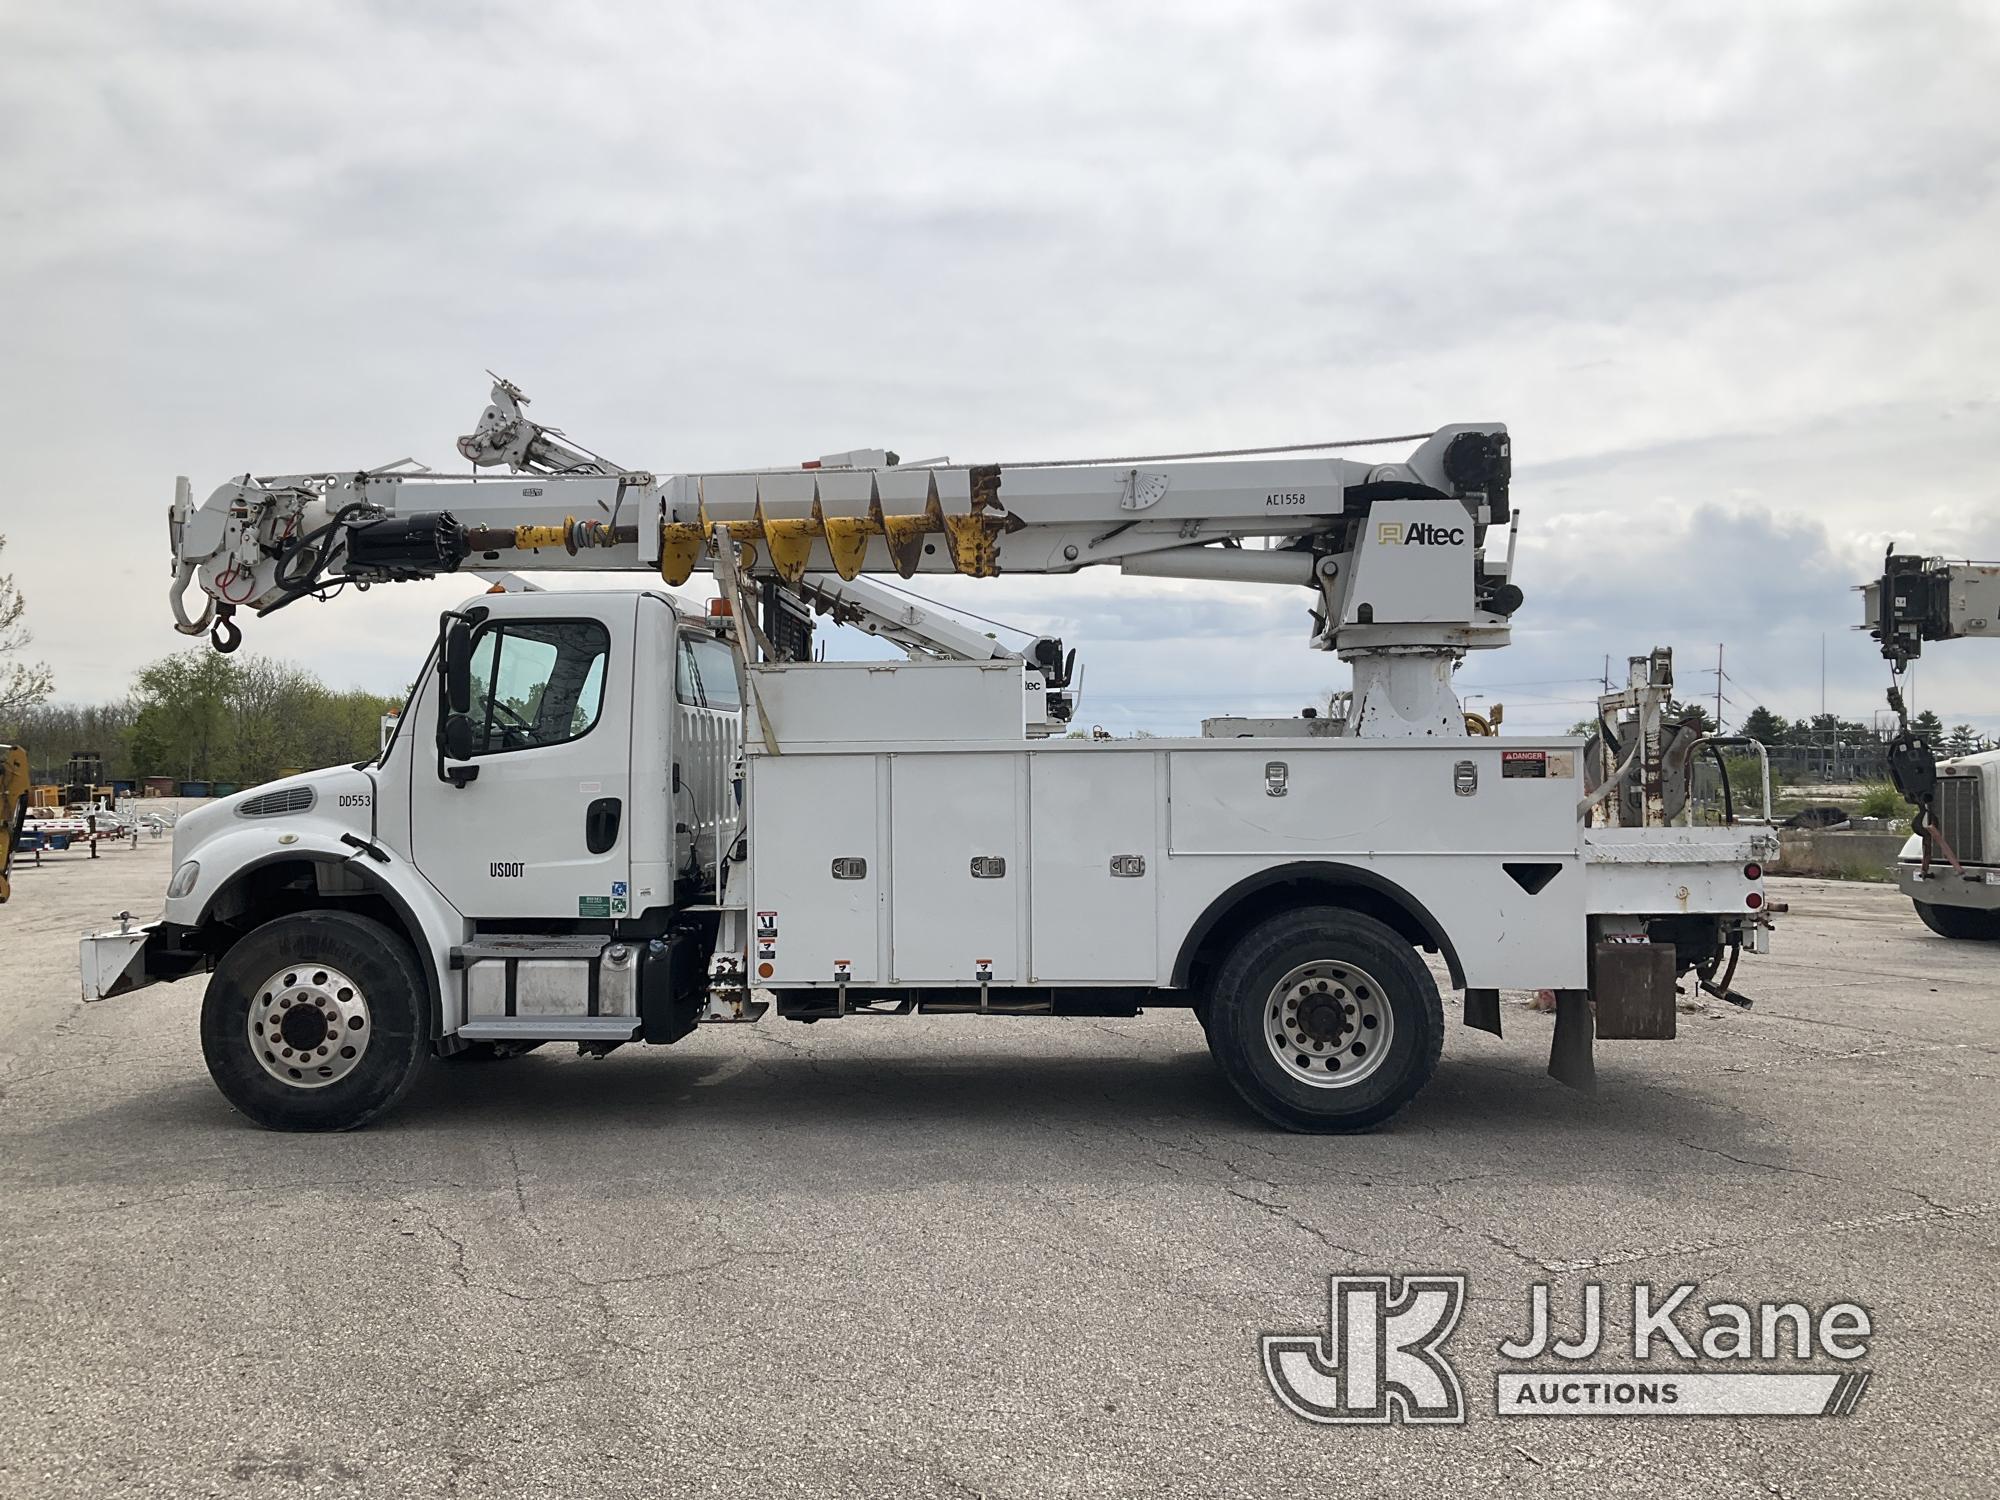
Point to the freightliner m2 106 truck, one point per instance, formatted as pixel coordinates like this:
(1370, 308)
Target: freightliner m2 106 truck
(606, 820)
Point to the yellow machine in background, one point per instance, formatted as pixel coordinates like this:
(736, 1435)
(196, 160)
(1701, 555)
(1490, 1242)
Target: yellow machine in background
(13, 806)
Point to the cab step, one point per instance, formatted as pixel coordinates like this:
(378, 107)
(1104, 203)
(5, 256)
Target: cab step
(551, 1029)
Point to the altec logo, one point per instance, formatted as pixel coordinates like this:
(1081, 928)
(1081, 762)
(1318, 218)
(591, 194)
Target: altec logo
(1418, 534)
(1382, 1360)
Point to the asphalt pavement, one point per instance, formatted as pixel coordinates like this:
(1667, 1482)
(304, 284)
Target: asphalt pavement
(958, 1256)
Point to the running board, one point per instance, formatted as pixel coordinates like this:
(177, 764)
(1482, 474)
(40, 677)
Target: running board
(551, 1029)
(529, 945)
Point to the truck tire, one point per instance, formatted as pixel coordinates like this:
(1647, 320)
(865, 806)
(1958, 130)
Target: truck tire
(316, 1021)
(1959, 921)
(1325, 1020)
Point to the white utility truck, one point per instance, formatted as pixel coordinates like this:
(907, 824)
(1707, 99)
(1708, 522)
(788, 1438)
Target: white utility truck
(1950, 866)
(603, 820)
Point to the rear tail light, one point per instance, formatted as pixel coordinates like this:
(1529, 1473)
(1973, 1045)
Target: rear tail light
(1753, 901)
(1753, 872)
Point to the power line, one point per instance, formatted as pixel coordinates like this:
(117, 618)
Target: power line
(1480, 687)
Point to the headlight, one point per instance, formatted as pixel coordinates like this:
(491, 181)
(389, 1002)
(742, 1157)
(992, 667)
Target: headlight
(184, 879)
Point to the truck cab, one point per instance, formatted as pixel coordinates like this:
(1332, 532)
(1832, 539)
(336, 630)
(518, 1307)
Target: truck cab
(589, 800)
(1957, 895)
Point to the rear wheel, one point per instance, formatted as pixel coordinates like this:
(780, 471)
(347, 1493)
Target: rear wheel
(1959, 921)
(1325, 1020)
(315, 1021)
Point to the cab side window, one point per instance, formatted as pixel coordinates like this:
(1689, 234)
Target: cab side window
(705, 674)
(537, 682)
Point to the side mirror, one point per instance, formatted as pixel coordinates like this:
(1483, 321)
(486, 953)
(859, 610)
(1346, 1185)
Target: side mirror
(457, 671)
(457, 737)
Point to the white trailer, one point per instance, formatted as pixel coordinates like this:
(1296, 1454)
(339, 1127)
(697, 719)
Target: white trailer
(603, 820)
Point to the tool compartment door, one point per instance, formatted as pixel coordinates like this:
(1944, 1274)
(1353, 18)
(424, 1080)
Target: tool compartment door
(1094, 867)
(816, 862)
(957, 873)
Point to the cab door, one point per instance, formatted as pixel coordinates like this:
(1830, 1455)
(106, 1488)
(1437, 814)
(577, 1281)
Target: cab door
(541, 826)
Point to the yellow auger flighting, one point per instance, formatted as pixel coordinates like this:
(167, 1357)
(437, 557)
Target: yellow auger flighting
(851, 511)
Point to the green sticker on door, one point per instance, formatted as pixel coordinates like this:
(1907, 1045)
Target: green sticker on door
(593, 906)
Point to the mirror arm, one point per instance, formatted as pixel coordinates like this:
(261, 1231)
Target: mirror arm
(468, 620)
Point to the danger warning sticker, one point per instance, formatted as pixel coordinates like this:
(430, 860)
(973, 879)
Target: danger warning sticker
(1524, 763)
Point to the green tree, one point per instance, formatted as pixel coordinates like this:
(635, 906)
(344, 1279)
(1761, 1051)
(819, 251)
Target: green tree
(22, 685)
(1961, 740)
(1761, 724)
(1684, 712)
(273, 710)
(1831, 729)
(1929, 728)
(185, 721)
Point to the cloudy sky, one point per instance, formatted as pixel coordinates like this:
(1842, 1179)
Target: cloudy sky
(1727, 271)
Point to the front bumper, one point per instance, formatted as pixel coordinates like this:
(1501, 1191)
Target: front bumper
(1978, 888)
(116, 963)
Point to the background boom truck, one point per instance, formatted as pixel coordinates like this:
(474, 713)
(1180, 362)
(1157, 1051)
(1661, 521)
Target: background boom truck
(602, 820)
(1950, 866)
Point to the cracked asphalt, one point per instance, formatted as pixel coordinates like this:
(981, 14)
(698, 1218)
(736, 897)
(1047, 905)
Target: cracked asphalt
(957, 1257)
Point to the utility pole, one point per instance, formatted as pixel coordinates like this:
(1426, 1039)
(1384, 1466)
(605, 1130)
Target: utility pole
(1718, 687)
(1822, 674)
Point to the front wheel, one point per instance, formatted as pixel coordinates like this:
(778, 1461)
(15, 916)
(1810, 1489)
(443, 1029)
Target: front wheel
(1325, 1020)
(1959, 921)
(315, 1021)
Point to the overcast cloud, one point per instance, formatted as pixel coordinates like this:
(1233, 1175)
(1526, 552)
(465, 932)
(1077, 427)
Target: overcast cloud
(1726, 270)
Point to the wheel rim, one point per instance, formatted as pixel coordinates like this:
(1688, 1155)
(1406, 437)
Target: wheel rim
(308, 1025)
(1328, 1024)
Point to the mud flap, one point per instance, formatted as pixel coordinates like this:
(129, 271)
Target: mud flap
(1482, 1010)
(1633, 987)
(1570, 1060)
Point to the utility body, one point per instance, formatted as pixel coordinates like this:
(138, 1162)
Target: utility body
(605, 819)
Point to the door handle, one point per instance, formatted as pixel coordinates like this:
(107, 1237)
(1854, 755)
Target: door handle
(600, 824)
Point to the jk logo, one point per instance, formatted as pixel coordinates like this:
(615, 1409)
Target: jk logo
(1381, 1359)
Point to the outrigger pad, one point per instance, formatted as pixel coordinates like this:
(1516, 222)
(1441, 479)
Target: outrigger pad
(1570, 1059)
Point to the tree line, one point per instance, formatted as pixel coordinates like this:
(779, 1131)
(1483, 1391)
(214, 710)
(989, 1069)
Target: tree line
(1830, 729)
(201, 716)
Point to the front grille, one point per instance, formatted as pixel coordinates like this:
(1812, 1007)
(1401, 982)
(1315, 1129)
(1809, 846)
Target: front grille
(1958, 817)
(293, 799)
